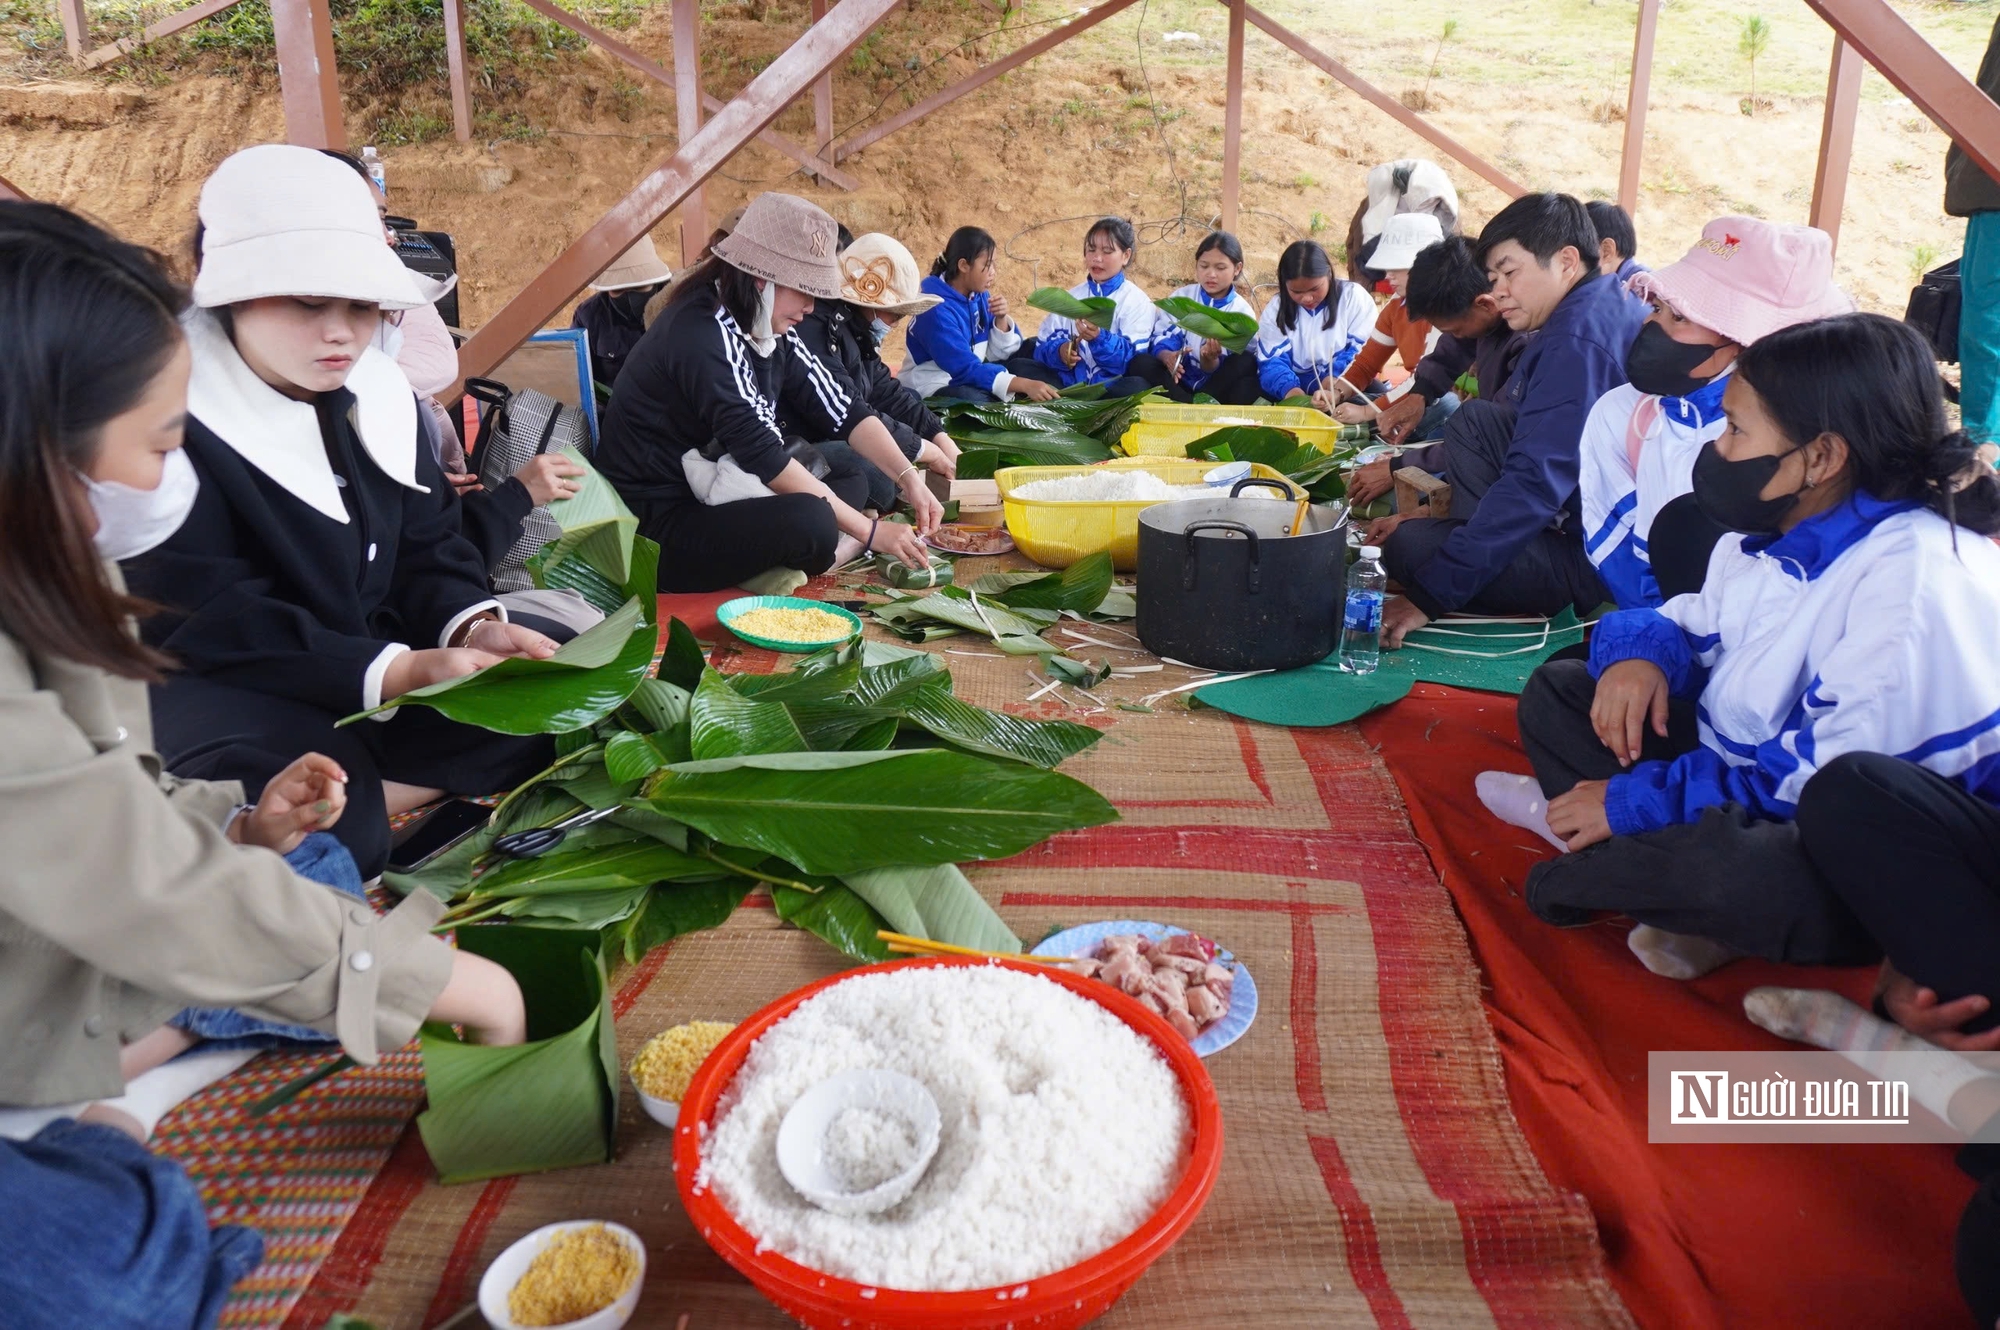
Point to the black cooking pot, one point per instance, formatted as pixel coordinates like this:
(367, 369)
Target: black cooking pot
(1226, 584)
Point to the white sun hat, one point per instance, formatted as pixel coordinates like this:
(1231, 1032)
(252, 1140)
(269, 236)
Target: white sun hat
(279, 220)
(1405, 236)
(877, 273)
(638, 266)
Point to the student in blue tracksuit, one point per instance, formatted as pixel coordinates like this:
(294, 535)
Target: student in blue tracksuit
(1118, 355)
(1617, 241)
(960, 347)
(1199, 365)
(1858, 611)
(1311, 330)
(1513, 542)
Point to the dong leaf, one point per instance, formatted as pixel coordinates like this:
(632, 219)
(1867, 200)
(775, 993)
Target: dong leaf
(836, 915)
(633, 863)
(661, 705)
(724, 723)
(683, 661)
(1234, 329)
(1017, 633)
(1055, 300)
(587, 679)
(1079, 587)
(904, 807)
(1043, 447)
(597, 527)
(1084, 392)
(630, 757)
(549, 1103)
(933, 901)
(1246, 443)
(673, 908)
(578, 909)
(1042, 743)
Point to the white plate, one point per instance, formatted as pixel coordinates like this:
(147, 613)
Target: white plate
(1084, 940)
(510, 1265)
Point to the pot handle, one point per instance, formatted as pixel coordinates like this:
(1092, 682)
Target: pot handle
(1215, 524)
(1281, 486)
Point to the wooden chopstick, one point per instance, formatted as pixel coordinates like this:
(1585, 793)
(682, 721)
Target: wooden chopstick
(905, 945)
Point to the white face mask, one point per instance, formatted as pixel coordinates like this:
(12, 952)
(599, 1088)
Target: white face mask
(132, 521)
(761, 335)
(880, 329)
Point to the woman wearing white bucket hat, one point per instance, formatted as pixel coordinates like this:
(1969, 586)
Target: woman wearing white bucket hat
(321, 570)
(879, 287)
(692, 439)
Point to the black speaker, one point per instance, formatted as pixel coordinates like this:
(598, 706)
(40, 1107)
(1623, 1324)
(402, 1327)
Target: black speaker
(432, 254)
(1934, 309)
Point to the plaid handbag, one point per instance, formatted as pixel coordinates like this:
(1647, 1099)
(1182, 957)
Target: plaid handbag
(518, 427)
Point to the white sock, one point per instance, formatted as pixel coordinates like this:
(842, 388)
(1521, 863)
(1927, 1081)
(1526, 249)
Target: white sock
(1518, 801)
(150, 1097)
(1677, 955)
(1828, 1020)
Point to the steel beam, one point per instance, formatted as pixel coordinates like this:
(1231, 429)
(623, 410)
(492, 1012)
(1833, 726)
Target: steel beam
(673, 179)
(654, 70)
(306, 78)
(979, 78)
(1410, 119)
(822, 98)
(1635, 105)
(687, 113)
(166, 27)
(75, 26)
(1232, 118)
(1953, 102)
(454, 55)
(1836, 138)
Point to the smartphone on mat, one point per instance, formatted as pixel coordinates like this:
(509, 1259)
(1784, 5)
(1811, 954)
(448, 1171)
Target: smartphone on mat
(434, 833)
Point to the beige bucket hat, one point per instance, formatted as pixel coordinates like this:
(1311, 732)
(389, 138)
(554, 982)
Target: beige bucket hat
(637, 266)
(785, 239)
(878, 273)
(279, 220)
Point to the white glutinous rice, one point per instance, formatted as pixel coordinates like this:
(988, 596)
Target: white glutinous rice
(1118, 487)
(865, 1147)
(1063, 1129)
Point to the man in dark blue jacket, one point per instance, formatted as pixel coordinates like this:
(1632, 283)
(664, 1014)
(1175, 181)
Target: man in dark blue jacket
(1513, 542)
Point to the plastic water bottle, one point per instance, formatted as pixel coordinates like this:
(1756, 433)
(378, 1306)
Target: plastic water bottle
(372, 161)
(1361, 619)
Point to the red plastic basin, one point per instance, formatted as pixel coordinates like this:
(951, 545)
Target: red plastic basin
(1070, 1297)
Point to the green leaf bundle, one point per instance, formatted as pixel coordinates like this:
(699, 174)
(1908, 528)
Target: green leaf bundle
(1232, 328)
(1055, 300)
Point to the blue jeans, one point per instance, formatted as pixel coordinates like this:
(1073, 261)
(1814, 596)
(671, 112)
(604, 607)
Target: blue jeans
(1435, 415)
(1979, 328)
(319, 858)
(100, 1232)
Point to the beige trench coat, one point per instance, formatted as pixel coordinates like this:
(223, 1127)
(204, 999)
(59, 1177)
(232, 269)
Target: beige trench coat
(121, 901)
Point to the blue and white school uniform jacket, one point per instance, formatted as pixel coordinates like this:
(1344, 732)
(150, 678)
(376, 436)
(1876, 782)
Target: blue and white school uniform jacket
(954, 343)
(1129, 336)
(1170, 336)
(1312, 353)
(1637, 455)
(1860, 630)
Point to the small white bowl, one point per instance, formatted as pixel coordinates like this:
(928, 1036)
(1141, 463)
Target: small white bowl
(802, 1133)
(1227, 474)
(666, 1112)
(510, 1265)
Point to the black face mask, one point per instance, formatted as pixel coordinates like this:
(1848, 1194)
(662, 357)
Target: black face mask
(1728, 492)
(1659, 365)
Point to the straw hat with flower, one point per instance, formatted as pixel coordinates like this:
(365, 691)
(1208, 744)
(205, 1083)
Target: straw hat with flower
(877, 273)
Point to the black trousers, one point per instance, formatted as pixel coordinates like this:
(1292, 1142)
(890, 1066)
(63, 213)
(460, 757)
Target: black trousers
(1917, 859)
(1548, 573)
(704, 548)
(1679, 544)
(1726, 876)
(1025, 366)
(212, 731)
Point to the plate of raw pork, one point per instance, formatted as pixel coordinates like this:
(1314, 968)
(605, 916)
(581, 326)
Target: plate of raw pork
(1202, 990)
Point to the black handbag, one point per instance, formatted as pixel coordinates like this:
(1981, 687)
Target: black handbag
(1934, 310)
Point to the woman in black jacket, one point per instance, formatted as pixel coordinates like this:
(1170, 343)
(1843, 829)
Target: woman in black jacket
(321, 570)
(692, 438)
(879, 288)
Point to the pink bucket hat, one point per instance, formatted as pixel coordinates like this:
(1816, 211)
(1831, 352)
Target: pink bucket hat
(1745, 278)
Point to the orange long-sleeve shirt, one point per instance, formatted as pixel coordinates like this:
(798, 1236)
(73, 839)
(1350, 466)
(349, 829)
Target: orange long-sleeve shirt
(1395, 332)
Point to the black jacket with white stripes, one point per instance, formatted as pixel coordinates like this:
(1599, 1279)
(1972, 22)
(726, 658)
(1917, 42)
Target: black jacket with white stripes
(694, 381)
(839, 334)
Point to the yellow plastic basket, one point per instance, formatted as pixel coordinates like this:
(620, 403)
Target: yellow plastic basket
(1165, 429)
(1056, 533)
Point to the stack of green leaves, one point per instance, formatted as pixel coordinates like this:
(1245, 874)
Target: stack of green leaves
(1232, 328)
(1318, 473)
(1014, 609)
(850, 788)
(1081, 427)
(1055, 300)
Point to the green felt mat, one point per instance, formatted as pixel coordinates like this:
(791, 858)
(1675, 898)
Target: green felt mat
(1324, 694)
